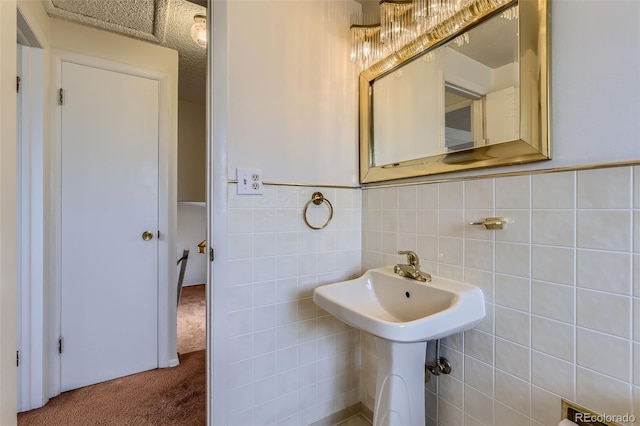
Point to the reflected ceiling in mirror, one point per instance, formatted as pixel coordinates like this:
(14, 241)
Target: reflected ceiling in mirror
(476, 98)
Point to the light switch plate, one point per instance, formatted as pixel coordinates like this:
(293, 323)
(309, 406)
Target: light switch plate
(249, 181)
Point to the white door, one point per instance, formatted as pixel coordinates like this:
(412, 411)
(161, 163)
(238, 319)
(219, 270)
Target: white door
(109, 172)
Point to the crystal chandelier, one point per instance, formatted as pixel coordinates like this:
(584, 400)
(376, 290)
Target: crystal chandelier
(366, 48)
(403, 21)
(461, 39)
(510, 14)
(400, 22)
(429, 13)
(397, 24)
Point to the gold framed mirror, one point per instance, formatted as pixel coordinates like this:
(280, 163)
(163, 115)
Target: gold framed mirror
(455, 100)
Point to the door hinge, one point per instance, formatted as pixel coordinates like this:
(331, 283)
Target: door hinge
(60, 341)
(17, 358)
(211, 254)
(61, 97)
(18, 84)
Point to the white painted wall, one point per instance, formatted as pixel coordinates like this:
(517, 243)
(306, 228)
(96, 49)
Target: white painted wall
(8, 220)
(595, 97)
(192, 228)
(191, 151)
(292, 88)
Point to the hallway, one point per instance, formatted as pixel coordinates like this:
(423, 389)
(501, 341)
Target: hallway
(192, 318)
(168, 396)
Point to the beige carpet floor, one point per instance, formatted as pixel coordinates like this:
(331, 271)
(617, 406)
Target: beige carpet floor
(192, 334)
(162, 397)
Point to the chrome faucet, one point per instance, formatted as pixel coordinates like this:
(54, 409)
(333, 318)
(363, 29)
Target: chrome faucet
(412, 270)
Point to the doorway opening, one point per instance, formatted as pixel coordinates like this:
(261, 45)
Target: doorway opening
(192, 277)
(190, 167)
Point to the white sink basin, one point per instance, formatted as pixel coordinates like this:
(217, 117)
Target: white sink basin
(403, 314)
(400, 309)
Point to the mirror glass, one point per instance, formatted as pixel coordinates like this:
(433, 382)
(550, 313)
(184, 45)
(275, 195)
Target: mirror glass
(460, 95)
(477, 98)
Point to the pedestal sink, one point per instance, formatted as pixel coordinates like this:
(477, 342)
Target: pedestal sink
(403, 314)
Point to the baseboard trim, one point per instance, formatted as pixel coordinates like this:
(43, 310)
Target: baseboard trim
(174, 362)
(340, 416)
(366, 413)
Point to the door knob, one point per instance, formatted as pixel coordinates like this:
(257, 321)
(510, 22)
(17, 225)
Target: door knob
(147, 235)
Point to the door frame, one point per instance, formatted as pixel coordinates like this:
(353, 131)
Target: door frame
(31, 334)
(167, 212)
(218, 376)
(8, 219)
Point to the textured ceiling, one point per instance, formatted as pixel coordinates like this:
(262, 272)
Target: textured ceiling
(164, 22)
(193, 58)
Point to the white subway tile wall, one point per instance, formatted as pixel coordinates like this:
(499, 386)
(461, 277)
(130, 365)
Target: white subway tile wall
(289, 361)
(561, 284)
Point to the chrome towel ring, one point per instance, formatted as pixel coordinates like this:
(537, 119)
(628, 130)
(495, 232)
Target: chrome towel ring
(317, 198)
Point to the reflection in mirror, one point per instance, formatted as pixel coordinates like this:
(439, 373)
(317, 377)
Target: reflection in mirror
(463, 118)
(471, 93)
(462, 95)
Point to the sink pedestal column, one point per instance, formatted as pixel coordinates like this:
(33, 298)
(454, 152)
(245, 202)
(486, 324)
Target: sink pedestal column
(400, 384)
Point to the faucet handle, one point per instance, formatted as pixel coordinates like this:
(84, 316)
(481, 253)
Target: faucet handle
(412, 257)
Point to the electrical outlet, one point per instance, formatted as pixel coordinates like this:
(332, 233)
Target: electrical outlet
(249, 181)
